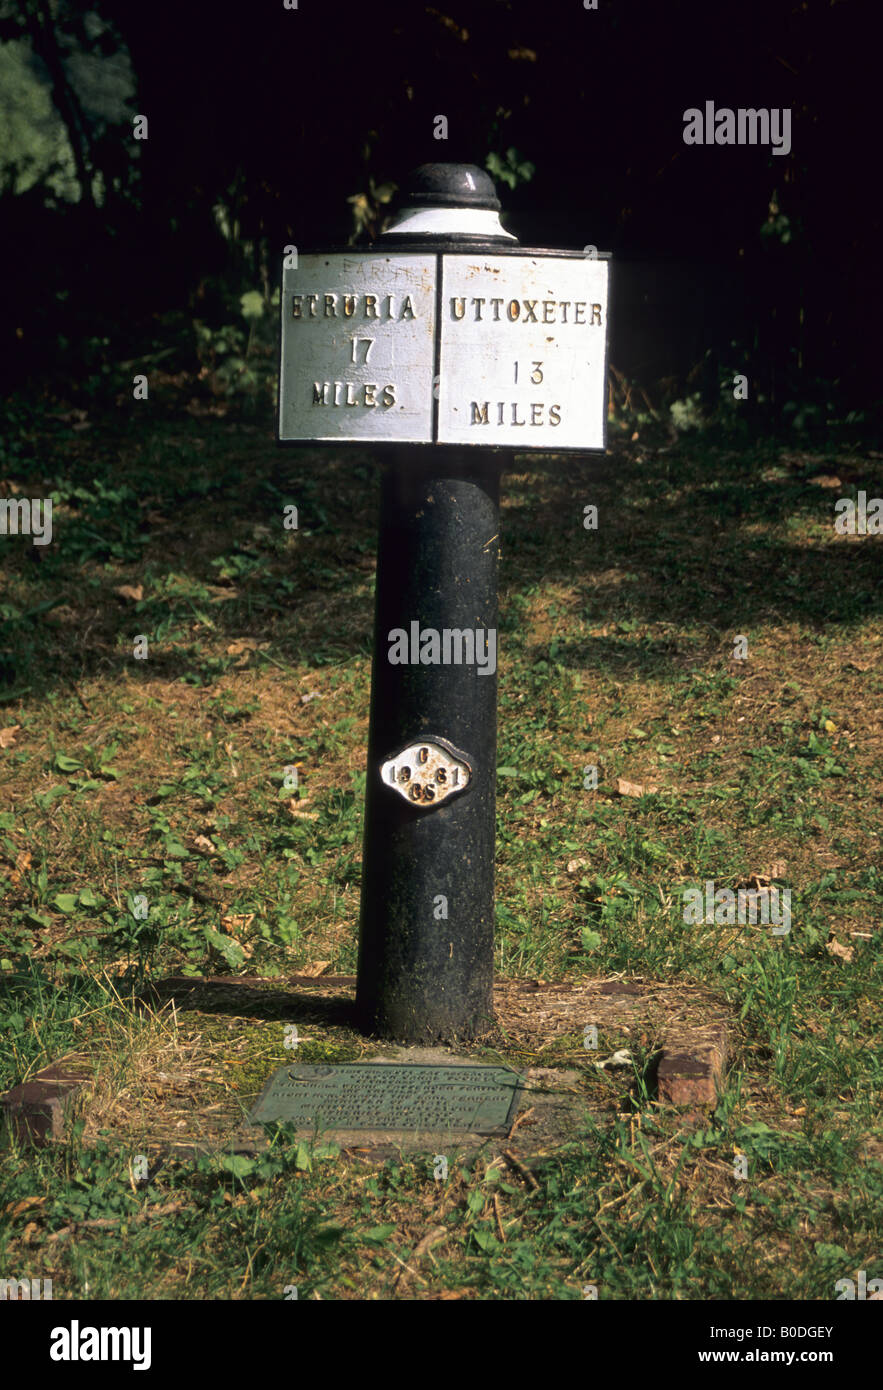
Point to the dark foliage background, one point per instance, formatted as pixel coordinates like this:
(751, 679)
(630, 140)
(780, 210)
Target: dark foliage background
(270, 126)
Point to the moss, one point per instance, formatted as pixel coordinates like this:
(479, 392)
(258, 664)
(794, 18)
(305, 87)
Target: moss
(330, 1050)
(247, 1051)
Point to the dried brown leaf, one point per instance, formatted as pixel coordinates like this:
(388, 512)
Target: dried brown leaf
(432, 1238)
(626, 788)
(236, 924)
(836, 948)
(16, 1208)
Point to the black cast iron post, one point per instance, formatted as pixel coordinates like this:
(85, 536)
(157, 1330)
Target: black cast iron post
(451, 346)
(427, 944)
(426, 947)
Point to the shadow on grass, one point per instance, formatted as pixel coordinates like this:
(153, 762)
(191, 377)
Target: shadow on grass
(244, 999)
(698, 533)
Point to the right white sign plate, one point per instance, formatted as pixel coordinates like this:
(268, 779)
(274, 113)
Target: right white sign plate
(523, 351)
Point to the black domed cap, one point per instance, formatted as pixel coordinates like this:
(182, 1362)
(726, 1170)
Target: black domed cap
(449, 186)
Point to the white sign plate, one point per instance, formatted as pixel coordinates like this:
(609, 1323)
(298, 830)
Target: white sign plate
(358, 343)
(523, 351)
(515, 357)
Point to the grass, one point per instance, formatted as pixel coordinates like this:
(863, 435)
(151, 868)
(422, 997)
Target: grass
(147, 828)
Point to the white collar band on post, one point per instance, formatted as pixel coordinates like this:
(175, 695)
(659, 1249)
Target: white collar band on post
(449, 200)
(448, 222)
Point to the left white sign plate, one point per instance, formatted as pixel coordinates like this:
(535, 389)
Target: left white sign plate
(358, 335)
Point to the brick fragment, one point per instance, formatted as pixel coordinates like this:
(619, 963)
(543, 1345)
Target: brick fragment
(692, 1066)
(37, 1110)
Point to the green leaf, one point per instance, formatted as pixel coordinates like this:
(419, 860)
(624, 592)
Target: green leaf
(830, 1252)
(326, 1234)
(88, 899)
(37, 921)
(66, 764)
(508, 772)
(47, 797)
(65, 902)
(225, 946)
(378, 1234)
(251, 304)
(591, 939)
(77, 949)
(487, 1240)
(302, 1158)
(238, 1165)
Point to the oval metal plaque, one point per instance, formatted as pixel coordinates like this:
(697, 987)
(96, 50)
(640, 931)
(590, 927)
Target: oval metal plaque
(427, 772)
